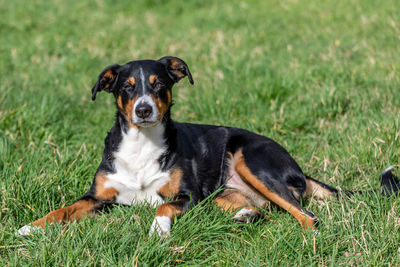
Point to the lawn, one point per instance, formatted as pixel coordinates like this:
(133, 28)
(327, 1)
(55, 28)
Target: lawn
(320, 77)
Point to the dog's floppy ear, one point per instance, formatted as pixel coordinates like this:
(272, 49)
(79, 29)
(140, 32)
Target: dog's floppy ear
(106, 80)
(176, 68)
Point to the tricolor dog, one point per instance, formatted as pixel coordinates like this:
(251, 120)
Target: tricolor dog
(150, 158)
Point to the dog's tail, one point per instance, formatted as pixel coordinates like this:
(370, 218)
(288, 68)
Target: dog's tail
(390, 184)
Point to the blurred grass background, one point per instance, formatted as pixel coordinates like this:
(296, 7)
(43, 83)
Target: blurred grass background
(319, 77)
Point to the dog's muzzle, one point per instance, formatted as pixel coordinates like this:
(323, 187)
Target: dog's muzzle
(145, 112)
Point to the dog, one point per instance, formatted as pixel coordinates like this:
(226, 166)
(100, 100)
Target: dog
(150, 158)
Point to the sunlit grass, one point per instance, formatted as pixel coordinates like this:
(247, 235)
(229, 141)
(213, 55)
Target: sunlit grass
(321, 78)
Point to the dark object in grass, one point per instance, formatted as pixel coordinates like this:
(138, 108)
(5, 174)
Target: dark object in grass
(148, 157)
(389, 182)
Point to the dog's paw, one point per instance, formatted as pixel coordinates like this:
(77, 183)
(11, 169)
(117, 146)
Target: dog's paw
(161, 225)
(244, 215)
(28, 230)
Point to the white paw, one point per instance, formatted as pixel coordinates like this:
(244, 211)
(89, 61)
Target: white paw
(28, 229)
(161, 225)
(244, 215)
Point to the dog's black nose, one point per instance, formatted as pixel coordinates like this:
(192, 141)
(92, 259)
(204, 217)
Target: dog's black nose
(143, 110)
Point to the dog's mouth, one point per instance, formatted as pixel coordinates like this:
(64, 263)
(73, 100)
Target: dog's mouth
(146, 123)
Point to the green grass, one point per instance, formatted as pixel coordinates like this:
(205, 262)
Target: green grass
(320, 77)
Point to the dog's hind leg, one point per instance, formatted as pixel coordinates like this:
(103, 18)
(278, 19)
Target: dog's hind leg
(280, 194)
(232, 201)
(97, 197)
(315, 188)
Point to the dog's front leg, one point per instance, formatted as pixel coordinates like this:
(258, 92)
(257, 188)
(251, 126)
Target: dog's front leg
(164, 215)
(98, 196)
(76, 211)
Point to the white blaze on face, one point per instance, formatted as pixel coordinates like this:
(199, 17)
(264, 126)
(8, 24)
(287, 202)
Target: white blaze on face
(144, 99)
(142, 79)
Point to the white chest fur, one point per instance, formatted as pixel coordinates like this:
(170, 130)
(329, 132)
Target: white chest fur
(138, 175)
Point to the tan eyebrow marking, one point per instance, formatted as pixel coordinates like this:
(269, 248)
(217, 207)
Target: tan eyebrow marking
(131, 81)
(152, 78)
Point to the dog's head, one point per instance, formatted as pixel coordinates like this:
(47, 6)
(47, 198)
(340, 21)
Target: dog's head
(142, 88)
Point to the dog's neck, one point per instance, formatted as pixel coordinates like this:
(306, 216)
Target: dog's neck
(162, 134)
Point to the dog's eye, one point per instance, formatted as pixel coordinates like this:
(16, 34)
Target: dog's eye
(159, 85)
(127, 87)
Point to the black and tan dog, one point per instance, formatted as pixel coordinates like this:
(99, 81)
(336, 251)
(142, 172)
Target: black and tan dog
(150, 158)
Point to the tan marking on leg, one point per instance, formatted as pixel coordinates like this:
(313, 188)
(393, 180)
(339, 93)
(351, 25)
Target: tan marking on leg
(314, 189)
(81, 208)
(234, 201)
(169, 210)
(102, 192)
(171, 188)
(131, 81)
(240, 166)
(231, 200)
(76, 211)
(233, 180)
(152, 78)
